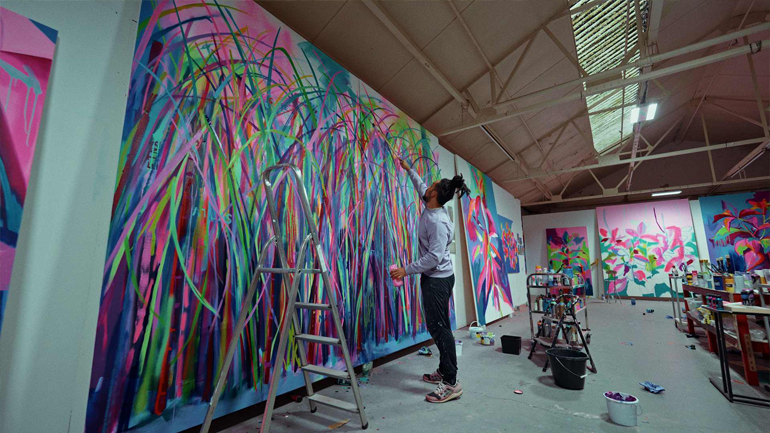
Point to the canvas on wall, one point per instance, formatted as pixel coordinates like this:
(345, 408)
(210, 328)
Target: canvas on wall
(491, 288)
(738, 226)
(26, 54)
(511, 251)
(220, 91)
(642, 242)
(567, 250)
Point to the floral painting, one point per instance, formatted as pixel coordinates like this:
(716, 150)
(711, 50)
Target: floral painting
(510, 246)
(738, 226)
(568, 251)
(492, 292)
(641, 243)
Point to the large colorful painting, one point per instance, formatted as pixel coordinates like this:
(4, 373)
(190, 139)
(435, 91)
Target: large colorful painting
(492, 291)
(26, 54)
(220, 91)
(510, 245)
(738, 227)
(641, 243)
(568, 250)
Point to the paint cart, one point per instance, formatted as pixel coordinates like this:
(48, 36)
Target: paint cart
(546, 289)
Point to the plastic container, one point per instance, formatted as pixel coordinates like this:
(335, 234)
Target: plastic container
(473, 331)
(396, 283)
(511, 344)
(623, 412)
(568, 367)
(487, 339)
(459, 347)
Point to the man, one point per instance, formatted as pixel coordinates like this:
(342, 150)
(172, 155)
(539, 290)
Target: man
(436, 233)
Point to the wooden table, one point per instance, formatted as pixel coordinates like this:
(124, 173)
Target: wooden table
(742, 343)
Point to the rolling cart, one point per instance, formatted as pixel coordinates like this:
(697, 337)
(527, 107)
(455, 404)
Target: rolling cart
(559, 308)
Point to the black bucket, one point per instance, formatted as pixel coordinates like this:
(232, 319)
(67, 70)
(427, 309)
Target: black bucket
(511, 344)
(568, 367)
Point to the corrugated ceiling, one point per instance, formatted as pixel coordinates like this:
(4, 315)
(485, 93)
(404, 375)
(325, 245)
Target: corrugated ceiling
(605, 36)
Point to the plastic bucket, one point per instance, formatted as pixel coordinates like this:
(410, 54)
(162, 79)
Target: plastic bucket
(623, 412)
(511, 344)
(458, 347)
(473, 331)
(568, 367)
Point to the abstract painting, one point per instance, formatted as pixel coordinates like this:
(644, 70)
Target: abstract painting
(26, 54)
(510, 245)
(738, 226)
(642, 242)
(492, 292)
(219, 92)
(568, 252)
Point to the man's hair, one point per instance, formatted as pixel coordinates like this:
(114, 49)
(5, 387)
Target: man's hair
(447, 188)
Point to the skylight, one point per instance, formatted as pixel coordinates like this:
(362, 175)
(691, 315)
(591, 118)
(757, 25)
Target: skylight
(605, 35)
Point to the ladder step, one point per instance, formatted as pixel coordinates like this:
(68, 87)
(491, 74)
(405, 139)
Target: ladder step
(311, 306)
(317, 369)
(319, 339)
(333, 402)
(288, 270)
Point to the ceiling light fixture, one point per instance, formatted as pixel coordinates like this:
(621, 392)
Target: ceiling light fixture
(643, 113)
(658, 194)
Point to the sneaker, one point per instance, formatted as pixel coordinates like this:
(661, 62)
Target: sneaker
(434, 377)
(445, 392)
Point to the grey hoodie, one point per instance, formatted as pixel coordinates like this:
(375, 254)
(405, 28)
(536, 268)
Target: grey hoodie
(436, 233)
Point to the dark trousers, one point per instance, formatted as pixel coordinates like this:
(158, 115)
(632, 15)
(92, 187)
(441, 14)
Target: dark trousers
(435, 300)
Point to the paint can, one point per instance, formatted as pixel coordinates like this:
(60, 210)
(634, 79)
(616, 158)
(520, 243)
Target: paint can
(459, 347)
(473, 331)
(487, 339)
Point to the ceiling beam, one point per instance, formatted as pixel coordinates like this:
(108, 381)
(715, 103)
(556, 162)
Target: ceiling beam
(617, 161)
(507, 54)
(641, 63)
(615, 84)
(649, 191)
(411, 46)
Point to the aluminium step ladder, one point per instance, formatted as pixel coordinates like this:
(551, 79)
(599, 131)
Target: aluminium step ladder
(312, 243)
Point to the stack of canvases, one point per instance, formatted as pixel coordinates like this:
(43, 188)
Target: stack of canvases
(220, 91)
(642, 243)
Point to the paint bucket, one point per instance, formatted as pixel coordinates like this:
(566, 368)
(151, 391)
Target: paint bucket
(487, 339)
(568, 366)
(458, 347)
(623, 412)
(511, 344)
(473, 331)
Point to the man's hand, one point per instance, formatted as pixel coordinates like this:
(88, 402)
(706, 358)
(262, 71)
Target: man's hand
(398, 273)
(404, 165)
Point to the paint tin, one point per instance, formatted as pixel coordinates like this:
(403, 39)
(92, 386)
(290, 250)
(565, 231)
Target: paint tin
(473, 331)
(487, 339)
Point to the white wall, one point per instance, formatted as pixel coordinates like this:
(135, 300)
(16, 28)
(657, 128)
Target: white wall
(47, 342)
(510, 207)
(534, 232)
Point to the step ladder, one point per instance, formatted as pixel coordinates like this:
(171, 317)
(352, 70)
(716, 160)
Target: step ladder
(310, 243)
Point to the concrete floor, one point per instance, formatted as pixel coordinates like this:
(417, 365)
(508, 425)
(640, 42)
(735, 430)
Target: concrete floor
(394, 398)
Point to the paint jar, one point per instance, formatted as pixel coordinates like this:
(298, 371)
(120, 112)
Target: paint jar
(487, 339)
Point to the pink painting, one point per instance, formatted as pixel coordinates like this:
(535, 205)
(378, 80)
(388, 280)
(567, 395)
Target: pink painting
(26, 53)
(641, 243)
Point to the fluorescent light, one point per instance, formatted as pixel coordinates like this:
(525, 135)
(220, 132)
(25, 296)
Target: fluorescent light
(643, 113)
(658, 194)
(651, 109)
(634, 114)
